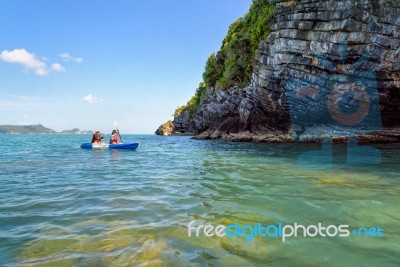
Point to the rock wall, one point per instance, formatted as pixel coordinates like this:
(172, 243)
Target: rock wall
(317, 52)
(166, 128)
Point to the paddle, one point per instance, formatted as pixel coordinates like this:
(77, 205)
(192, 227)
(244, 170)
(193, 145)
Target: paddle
(115, 126)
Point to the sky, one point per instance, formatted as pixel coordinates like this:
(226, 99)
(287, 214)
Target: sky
(85, 64)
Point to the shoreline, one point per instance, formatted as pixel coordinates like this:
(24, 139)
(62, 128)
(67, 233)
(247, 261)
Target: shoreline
(384, 137)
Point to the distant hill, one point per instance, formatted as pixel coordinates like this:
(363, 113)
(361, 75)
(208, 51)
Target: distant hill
(36, 129)
(76, 131)
(25, 129)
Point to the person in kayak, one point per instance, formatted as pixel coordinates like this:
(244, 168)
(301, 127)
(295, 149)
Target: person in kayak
(96, 139)
(114, 139)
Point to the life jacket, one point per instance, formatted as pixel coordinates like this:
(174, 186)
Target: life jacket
(114, 139)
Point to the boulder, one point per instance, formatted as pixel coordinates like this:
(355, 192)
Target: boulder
(166, 128)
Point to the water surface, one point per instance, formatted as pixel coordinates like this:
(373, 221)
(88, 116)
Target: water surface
(65, 206)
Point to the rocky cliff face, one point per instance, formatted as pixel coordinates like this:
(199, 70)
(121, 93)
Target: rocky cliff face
(328, 68)
(165, 129)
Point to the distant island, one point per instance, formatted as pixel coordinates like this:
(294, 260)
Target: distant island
(76, 131)
(37, 129)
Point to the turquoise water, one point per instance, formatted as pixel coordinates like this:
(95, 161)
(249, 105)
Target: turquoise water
(65, 206)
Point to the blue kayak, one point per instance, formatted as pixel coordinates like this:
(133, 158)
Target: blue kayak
(130, 146)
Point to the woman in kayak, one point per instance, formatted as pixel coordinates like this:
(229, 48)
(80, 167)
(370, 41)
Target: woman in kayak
(96, 139)
(114, 139)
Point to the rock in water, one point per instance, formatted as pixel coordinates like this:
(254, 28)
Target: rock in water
(166, 129)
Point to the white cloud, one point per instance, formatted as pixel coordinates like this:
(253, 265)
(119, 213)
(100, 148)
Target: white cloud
(30, 61)
(57, 67)
(67, 57)
(92, 99)
(26, 59)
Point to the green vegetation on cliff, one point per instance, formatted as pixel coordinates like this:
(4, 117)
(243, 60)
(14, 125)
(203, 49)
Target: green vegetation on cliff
(195, 102)
(233, 63)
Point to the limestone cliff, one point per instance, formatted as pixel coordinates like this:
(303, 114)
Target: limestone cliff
(327, 68)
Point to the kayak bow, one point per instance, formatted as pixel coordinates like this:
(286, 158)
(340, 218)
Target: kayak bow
(131, 146)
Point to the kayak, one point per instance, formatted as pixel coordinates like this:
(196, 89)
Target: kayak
(130, 146)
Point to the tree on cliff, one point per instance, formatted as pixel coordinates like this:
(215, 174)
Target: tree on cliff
(233, 64)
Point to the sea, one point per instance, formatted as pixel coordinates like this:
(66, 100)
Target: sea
(61, 205)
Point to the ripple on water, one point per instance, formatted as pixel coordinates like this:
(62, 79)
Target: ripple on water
(65, 206)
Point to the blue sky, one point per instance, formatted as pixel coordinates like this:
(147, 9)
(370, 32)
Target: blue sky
(84, 64)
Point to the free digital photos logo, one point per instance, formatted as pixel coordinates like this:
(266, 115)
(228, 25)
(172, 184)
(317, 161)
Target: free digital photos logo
(281, 231)
(348, 91)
